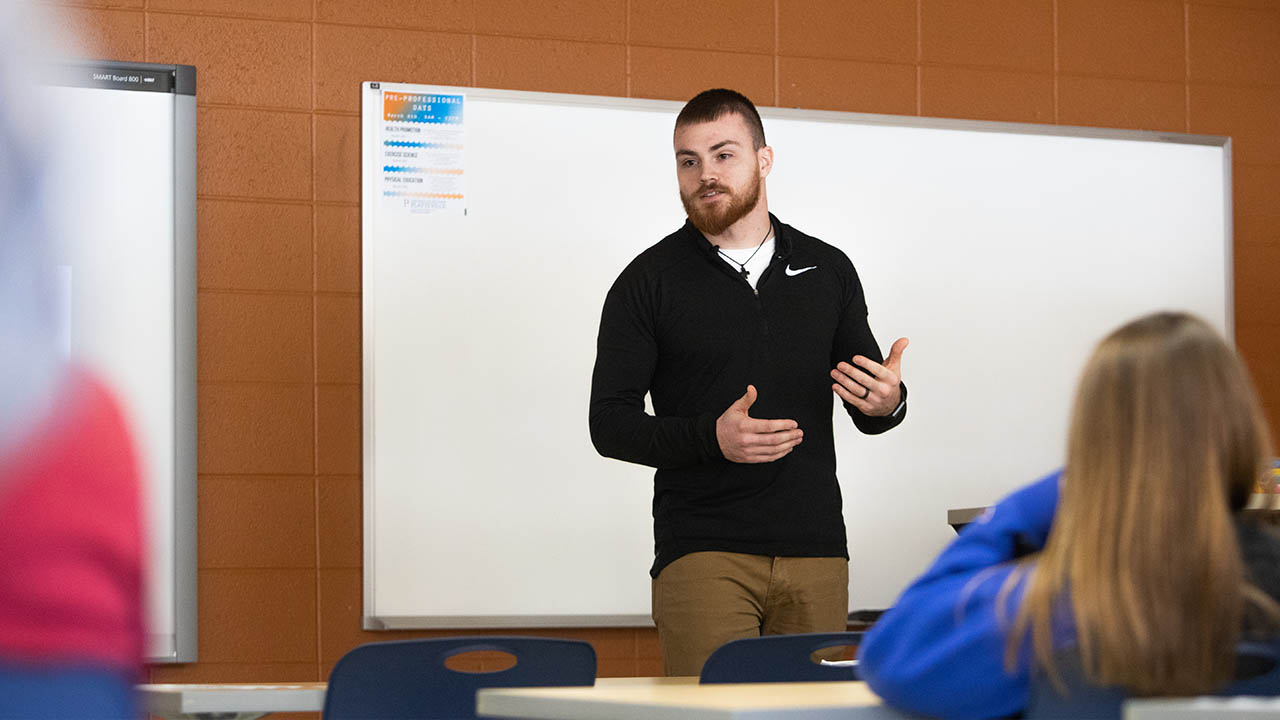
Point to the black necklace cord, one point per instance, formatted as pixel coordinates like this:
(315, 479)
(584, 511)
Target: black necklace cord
(742, 266)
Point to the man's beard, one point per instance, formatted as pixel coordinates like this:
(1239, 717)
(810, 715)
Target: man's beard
(715, 220)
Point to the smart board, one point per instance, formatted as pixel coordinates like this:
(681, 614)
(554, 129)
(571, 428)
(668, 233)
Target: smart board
(125, 149)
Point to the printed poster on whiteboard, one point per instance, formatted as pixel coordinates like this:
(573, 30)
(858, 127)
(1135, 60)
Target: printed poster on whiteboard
(422, 139)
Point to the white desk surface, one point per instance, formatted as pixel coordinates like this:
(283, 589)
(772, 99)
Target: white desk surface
(229, 701)
(240, 701)
(642, 698)
(1203, 708)
(687, 700)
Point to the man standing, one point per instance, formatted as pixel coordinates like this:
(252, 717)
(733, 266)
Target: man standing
(739, 327)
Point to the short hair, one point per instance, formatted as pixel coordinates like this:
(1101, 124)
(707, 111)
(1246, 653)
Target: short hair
(711, 105)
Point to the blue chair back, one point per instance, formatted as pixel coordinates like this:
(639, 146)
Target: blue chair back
(408, 678)
(35, 692)
(779, 658)
(1258, 673)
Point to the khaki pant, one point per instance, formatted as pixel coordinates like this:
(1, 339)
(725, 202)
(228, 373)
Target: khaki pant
(705, 599)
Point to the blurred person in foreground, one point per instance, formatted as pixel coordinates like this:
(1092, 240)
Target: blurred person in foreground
(71, 573)
(1133, 564)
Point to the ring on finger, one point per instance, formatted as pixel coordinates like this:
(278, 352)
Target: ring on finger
(865, 392)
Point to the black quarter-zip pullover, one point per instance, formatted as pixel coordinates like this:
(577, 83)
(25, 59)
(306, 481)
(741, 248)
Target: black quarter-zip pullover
(683, 326)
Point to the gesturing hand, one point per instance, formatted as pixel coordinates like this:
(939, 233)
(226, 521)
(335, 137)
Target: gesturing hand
(871, 387)
(744, 439)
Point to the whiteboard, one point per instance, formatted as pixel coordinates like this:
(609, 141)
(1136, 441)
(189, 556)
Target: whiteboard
(1004, 251)
(126, 194)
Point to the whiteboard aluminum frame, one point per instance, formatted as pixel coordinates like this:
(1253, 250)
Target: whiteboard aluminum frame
(672, 108)
(185, 392)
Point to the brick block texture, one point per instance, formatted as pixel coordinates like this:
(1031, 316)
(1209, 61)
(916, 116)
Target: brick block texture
(279, 279)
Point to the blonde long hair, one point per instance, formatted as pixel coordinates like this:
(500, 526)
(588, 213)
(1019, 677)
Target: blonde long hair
(1166, 442)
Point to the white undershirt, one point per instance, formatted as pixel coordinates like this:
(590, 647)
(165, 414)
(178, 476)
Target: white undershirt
(757, 264)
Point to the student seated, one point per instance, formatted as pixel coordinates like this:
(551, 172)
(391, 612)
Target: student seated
(71, 577)
(72, 632)
(1134, 560)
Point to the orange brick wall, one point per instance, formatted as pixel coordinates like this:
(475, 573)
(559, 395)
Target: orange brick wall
(279, 320)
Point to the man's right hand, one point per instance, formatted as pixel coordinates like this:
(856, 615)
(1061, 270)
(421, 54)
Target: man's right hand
(744, 439)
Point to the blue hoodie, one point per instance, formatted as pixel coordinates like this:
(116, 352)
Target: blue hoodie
(940, 649)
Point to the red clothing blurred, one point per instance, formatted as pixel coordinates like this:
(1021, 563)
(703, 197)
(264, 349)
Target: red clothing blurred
(71, 567)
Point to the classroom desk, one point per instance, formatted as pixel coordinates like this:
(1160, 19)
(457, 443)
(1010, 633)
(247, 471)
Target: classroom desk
(241, 701)
(1203, 708)
(688, 700)
(228, 701)
(957, 518)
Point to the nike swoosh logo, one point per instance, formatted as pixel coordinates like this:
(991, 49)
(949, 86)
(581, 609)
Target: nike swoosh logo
(793, 273)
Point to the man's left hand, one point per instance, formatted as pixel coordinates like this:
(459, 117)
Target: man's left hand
(869, 386)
